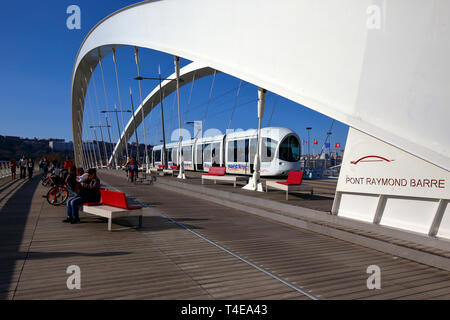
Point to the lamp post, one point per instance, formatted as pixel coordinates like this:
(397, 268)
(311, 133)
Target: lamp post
(140, 78)
(309, 154)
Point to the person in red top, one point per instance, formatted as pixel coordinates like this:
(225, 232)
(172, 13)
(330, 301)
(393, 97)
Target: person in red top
(13, 166)
(68, 163)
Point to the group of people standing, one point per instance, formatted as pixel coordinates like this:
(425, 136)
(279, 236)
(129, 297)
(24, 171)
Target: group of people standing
(26, 167)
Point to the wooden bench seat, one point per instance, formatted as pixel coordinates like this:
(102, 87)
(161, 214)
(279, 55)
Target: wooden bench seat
(113, 205)
(218, 174)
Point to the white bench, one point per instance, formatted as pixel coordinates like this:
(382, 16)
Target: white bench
(110, 213)
(232, 179)
(289, 188)
(172, 172)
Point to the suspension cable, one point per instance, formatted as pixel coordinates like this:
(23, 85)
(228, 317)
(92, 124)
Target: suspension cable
(107, 108)
(209, 98)
(234, 105)
(105, 150)
(190, 94)
(136, 55)
(91, 120)
(120, 103)
(273, 109)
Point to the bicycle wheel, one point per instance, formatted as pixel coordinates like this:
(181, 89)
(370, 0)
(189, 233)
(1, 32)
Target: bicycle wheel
(57, 195)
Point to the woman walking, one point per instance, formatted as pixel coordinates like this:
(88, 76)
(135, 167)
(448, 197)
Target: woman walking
(30, 168)
(13, 166)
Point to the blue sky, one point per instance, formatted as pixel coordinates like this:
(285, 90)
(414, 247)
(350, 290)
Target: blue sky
(36, 62)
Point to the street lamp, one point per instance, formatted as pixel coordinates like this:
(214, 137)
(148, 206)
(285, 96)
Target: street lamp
(309, 154)
(140, 78)
(117, 119)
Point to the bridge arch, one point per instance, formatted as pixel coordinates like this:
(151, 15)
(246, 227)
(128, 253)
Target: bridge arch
(381, 81)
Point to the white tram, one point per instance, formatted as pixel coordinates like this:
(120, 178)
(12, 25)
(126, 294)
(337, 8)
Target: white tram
(279, 152)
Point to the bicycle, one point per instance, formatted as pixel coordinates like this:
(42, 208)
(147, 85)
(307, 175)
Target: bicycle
(59, 193)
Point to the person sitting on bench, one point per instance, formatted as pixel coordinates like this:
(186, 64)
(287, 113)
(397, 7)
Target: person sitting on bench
(89, 192)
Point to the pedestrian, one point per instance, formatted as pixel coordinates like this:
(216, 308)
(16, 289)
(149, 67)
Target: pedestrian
(88, 192)
(68, 163)
(133, 168)
(23, 167)
(44, 166)
(13, 166)
(30, 168)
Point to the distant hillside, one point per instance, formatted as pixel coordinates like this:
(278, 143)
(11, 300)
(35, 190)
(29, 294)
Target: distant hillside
(14, 147)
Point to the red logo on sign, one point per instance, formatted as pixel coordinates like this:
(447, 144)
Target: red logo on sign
(371, 159)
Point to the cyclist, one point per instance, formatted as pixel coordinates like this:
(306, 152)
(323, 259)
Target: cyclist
(133, 168)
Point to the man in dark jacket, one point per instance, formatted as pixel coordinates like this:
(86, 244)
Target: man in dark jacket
(89, 192)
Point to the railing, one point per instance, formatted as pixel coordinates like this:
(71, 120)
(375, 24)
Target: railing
(5, 171)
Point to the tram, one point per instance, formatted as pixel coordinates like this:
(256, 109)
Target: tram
(280, 151)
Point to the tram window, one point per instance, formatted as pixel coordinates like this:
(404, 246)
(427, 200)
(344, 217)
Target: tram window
(290, 149)
(207, 152)
(169, 154)
(199, 154)
(232, 151)
(157, 155)
(187, 153)
(240, 150)
(253, 146)
(268, 149)
(215, 153)
(175, 156)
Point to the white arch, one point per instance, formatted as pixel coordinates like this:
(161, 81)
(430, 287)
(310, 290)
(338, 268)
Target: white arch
(153, 99)
(391, 82)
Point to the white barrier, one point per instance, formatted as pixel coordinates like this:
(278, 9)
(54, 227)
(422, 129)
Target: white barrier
(382, 184)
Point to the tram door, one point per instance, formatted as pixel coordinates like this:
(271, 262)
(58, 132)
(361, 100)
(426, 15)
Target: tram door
(238, 156)
(199, 158)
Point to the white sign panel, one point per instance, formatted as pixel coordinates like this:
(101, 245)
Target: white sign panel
(375, 167)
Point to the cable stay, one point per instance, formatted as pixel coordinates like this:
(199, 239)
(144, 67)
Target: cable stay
(273, 109)
(209, 98)
(326, 139)
(235, 103)
(105, 150)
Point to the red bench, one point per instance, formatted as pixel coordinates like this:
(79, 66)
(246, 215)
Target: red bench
(113, 205)
(216, 171)
(292, 183)
(218, 174)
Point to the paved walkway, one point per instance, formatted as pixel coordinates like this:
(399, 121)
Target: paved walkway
(187, 249)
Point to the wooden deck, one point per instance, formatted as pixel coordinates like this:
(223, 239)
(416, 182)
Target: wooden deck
(206, 252)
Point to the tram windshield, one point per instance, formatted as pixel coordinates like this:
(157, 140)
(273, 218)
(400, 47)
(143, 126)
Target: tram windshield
(290, 149)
